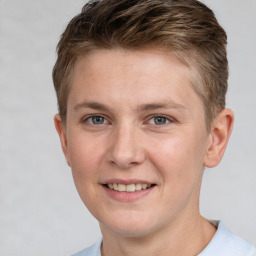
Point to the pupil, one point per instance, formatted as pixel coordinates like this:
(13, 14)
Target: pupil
(97, 120)
(160, 120)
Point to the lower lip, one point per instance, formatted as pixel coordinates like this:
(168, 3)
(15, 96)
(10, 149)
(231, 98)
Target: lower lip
(128, 196)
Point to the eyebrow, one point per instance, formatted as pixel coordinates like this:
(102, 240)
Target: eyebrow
(154, 106)
(141, 108)
(92, 105)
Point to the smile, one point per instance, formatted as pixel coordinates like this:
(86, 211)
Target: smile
(129, 187)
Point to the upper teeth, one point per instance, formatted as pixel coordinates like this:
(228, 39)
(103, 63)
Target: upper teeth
(128, 188)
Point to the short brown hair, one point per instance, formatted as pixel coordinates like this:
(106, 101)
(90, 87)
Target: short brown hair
(187, 28)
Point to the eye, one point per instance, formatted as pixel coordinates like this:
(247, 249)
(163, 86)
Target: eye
(96, 120)
(159, 120)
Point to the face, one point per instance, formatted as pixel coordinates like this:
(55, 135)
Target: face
(136, 139)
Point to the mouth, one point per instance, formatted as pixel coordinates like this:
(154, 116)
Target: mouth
(129, 188)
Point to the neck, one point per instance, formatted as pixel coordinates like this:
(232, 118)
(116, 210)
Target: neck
(194, 234)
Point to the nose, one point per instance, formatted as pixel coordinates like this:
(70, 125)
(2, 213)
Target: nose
(126, 148)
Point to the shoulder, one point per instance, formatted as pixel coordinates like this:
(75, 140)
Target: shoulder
(225, 243)
(93, 250)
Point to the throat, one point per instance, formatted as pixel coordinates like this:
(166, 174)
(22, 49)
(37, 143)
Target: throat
(180, 242)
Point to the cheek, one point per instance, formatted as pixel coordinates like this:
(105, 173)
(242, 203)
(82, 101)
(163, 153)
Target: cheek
(85, 155)
(85, 158)
(171, 153)
(178, 159)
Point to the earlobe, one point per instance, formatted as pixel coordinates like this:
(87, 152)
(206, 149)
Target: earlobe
(218, 140)
(62, 135)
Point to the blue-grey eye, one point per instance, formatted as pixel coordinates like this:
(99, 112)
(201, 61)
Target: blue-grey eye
(96, 120)
(159, 120)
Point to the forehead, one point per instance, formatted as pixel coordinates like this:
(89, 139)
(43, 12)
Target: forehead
(136, 77)
(132, 60)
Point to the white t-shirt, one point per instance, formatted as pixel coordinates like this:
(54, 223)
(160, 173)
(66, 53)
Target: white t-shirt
(223, 243)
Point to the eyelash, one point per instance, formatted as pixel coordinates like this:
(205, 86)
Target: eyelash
(86, 119)
(167, 119)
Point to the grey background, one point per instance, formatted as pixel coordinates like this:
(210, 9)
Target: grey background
(41, 213)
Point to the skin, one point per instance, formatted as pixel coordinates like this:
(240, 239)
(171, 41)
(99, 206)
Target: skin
(127, 90)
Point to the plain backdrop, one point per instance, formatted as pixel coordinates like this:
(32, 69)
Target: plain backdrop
(41, 212)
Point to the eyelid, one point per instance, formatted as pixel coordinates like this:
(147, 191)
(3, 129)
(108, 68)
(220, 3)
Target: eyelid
(161, 115)
(85, 118)
(158, 127)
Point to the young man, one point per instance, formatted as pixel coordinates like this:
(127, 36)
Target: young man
(141, 90)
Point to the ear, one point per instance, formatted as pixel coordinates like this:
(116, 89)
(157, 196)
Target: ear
(219, 136)
(62, 134)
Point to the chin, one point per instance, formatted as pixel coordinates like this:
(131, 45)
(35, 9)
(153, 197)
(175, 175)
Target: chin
(127, 226)
(134, 231)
